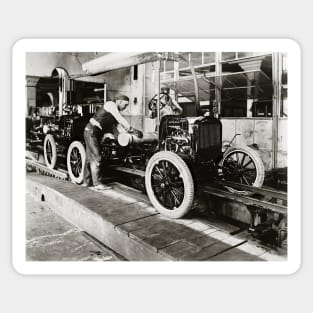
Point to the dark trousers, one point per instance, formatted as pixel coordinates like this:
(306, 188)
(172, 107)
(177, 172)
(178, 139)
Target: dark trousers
(92, 136)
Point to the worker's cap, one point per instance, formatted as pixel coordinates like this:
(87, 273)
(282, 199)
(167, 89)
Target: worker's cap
(122, 97)
(165, 90)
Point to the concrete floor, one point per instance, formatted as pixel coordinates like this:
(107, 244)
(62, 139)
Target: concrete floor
(51, 238)
(124, 220)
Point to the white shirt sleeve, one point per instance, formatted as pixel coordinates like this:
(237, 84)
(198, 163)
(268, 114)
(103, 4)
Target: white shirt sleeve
(111, 107)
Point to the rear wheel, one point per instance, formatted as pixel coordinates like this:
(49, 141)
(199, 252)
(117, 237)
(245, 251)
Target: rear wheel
(169, 184)
(76, 158)
(50, 151)
(243, 165)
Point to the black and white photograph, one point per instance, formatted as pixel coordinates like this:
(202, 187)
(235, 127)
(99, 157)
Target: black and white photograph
(156, 156)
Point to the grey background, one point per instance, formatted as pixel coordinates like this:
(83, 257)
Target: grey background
(162, 19)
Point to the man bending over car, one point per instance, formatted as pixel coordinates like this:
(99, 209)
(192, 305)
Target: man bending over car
(104, 121)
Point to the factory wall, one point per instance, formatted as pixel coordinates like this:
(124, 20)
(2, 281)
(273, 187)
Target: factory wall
(258, 131)
(123, 81)
(43, 63)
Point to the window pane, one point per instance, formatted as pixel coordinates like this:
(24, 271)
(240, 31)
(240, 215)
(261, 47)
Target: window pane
(169, 66)
(196, 58)
(162, 66)
(284, 102)
(183, 63)
(228, 56)
(247, 54)
(167, 76)
(185, 73)
(234, 109)
(262, 109)
(209, 57)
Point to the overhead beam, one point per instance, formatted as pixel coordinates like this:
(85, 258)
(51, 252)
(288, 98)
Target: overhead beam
(117, 60)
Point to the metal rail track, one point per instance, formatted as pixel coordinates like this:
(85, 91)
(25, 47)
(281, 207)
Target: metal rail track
(257, 200)
(250, 201)
(33, 165)
(261, 198)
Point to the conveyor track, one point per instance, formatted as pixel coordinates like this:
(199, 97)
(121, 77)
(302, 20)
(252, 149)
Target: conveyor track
(257, 200)
(262, 198)
(44, 170)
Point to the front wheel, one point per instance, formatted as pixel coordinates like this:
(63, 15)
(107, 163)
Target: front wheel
(50, 151)
(169, 184)
(76, 158)
(243, 165)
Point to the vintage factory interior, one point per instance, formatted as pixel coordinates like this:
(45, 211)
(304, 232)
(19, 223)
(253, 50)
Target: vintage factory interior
(159, 156)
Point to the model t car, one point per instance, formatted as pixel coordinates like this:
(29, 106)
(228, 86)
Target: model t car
(182, 154)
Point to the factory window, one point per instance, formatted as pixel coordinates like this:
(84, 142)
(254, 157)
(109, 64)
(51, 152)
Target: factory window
(196, 58)
(246, 85)
(227, 56)
(234, 108)
(203, 63)
(262, 108)
(208, 57)
(247, 54)
(169, 66)
(167, 70)
(241, 82)
(184, 63)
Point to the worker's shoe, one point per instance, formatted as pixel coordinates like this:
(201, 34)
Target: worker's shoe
(102, 187)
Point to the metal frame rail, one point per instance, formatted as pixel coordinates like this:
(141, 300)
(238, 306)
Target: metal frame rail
(261, 198)
(258, 200)
(32, 165)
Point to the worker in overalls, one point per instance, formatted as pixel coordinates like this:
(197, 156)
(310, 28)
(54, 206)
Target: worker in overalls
(169, 104)
(104, 121)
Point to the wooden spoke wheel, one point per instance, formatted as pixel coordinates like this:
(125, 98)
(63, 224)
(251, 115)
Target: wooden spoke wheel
(243, 165)
(50, 151)
(169, 184)
(76, 158)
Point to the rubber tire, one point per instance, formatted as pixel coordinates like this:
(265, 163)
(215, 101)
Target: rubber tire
(253, 154)
(82, 151)
(53, 162)
(187, 180)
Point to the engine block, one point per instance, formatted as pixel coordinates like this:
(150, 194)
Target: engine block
(199, 138)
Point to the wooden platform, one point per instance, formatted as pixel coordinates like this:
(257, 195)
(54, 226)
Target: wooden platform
(124, 220)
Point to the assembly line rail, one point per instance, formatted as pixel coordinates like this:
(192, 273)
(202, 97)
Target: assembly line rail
(262, 198)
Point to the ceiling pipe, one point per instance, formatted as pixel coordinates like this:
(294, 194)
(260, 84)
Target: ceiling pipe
(117, 60)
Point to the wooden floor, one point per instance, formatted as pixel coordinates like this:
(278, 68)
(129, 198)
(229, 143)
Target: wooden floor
(123, 219)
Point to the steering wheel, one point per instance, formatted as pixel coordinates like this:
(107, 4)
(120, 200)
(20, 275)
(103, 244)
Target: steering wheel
(152, 105)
